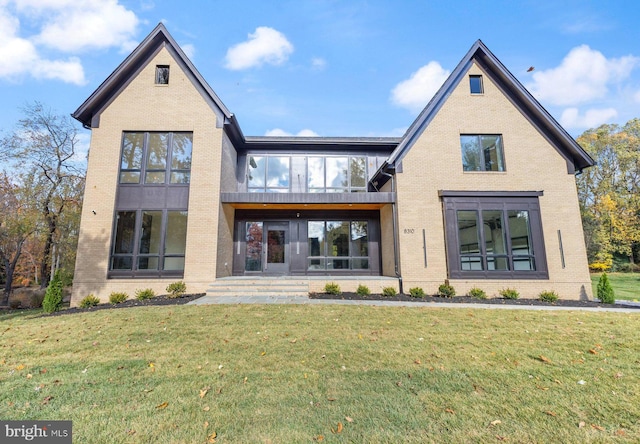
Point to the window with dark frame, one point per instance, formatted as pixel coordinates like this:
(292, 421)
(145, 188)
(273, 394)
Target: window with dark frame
(494, 237)
(148, 242)
(162, 74)
(475, 84)
(156, 158)
(482, 152)
(338, 245)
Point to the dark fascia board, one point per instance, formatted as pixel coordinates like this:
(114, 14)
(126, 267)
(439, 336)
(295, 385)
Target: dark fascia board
(89, 112)
(475, 194)
(519, 96)
(384, 145)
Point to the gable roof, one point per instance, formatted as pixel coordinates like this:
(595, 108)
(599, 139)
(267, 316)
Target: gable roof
(577, 159)
(89, 112)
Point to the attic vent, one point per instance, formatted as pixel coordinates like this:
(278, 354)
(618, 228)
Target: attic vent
(475, 83)
(162, 74)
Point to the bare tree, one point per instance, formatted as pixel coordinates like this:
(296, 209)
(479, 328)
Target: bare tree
(45, 146)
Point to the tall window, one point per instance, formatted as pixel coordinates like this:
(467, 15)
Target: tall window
(149, 242)
(268, 174)
(338, 245)
(162, 74)
(337, 174)
(482, 153)
(475, 84)
(494, 237)
(156, 158)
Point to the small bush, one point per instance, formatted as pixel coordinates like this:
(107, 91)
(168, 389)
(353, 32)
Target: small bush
(363, 290)
(53, 297)
(15, 304)
(548, 296)
(477, 293)
(118, 297)
(89, 301)
(147, 293)
(332, 288)
(37, 297)
(509, 293)
(389, 291)
(177, 289)
(416, 292)
(605, 290)
(446, 291)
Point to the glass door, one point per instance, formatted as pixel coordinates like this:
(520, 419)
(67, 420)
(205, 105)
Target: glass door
(276, 247)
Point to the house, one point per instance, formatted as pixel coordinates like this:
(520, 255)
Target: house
(480, 190)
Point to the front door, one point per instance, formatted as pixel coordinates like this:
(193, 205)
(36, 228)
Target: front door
(276, 248)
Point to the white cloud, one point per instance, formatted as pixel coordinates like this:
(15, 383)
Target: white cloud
(19, 56)
(189, 50)
(277, 132)
(415, 92)
(571, 117)
(70, 26)
(265, 45)
(318, 63)
(583, 75)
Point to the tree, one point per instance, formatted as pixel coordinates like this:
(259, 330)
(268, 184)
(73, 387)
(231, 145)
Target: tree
(45, 147)
(17, 224)
(609, 192)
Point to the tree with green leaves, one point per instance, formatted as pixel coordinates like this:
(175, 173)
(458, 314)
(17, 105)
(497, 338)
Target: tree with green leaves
(609, 192)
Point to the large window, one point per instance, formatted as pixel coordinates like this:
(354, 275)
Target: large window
(149, 242)
(156, 158)
(268, 174)
(493, 236)
(338, 245)
(482, 153)
(336, 174)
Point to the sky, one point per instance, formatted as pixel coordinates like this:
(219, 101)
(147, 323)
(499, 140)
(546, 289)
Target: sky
(330, 68)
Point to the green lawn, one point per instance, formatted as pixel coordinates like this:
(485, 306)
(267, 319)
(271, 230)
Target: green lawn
(625, 285)
(305, 374)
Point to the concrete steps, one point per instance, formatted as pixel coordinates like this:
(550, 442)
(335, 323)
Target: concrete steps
(264, 286)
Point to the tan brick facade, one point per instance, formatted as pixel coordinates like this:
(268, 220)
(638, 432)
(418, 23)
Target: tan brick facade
(435, 163)
(415, 223)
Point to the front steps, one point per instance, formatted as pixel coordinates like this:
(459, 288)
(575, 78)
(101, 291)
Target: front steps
(280, 286)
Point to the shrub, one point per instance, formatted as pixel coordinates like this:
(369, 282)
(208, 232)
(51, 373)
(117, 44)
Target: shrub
(416, 292)
(37, 297)
(548, 296)
(147, 293)
(605, 290)
(477, 293)
(15, 304)
(89, 301)
(363, 290)
(509, 293)
(389, 291)
(177, 289)
(603, 262)
(53, 297)
(118, 297)
(332, 288)
(446, 291)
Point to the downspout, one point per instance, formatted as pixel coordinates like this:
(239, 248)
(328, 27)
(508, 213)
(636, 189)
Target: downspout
(396, 246)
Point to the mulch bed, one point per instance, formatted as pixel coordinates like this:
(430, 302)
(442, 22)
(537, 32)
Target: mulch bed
(157, 300)
(466, 300)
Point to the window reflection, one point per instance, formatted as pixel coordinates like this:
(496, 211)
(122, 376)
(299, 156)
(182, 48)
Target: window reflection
(338, 245)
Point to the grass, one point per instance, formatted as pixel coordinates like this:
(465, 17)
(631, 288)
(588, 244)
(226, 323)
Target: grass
(625, 285)
(285, 373)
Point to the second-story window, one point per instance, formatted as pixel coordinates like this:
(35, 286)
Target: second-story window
(482, 152)
(156, 158)
(337, 174)
(268, 174)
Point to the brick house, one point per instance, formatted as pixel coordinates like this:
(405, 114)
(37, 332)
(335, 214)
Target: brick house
(480, 190)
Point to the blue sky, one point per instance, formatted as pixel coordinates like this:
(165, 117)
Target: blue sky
(330, 68)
